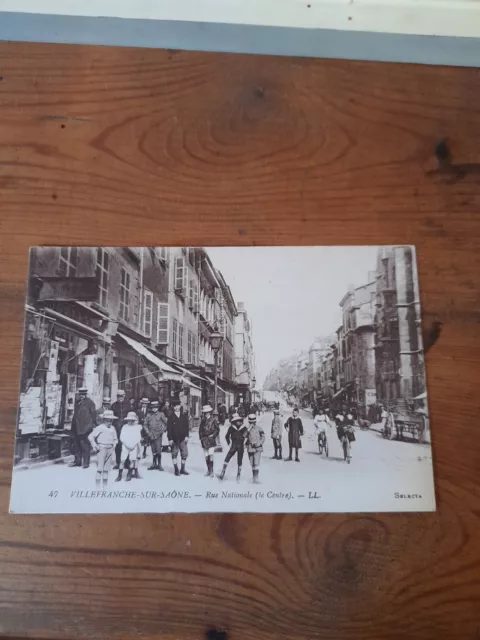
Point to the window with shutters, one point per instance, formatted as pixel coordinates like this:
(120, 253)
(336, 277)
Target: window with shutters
(194, 349)
(102, 275)
(162, 254)
(68, 261)
(180, 341)
(147, 312)
(191, 288)
(196, 308)
(124, 295)
(175, 338)
(180, 276)
(163, 316)
(189, 348)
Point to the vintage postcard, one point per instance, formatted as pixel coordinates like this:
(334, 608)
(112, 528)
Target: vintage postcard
(226, 379)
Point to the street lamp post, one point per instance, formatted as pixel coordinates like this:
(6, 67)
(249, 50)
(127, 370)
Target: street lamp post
(216, 340)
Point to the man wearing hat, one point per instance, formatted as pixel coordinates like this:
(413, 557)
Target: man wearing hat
(142, 414)
(178, 431)
(294, 426)
(277, 434)
(120, 409)
(106, 404)
(130, 439)
(208, 432)
(235, 437)
(83, 421)
(255, 440)
(103, 440)
(155, 426)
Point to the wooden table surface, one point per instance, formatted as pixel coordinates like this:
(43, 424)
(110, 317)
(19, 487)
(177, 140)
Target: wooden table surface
(120, 146)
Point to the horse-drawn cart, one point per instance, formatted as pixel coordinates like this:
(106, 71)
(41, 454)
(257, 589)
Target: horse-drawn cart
(409, 422)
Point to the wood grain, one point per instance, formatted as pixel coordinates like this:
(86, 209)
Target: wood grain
(118, 146)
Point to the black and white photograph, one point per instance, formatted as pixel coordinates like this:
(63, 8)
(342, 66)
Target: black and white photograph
(222, 379)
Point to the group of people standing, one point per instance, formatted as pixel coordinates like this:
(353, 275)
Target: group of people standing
(119, 434)
(239, 436)
(294, 427)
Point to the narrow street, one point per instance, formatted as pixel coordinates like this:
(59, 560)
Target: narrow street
(377, 465)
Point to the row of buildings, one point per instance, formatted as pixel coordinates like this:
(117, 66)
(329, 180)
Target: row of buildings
(376, 354)
(138, 319)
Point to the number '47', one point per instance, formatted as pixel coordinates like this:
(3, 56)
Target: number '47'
(53, 494)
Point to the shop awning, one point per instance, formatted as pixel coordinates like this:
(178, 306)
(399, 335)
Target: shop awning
(422, 396)
(190, 384)
(178, 366)
(166, 371)
(194, 390)
(212, 382)
(195, 376)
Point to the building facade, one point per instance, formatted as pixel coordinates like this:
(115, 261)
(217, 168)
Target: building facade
(228, 314)
(400, 367)
(244, 356)
(376, 355)
(315, 367)
(358, 323)
(130, 318)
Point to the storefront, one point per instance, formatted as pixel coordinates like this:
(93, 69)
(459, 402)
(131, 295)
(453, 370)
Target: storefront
(63, 353)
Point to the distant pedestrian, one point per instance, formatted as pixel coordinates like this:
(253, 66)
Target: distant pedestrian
(120, 409)
(294, 426)
(103, 440)
(155, 426)
(277, 434)
(142, 414)
(371, 413)
(255, 440)
(178, 432)
(130, 438)
(222, 413)
(388, 421)
(208, 433)
(83, 422)
(167, 408)
(235, 437)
